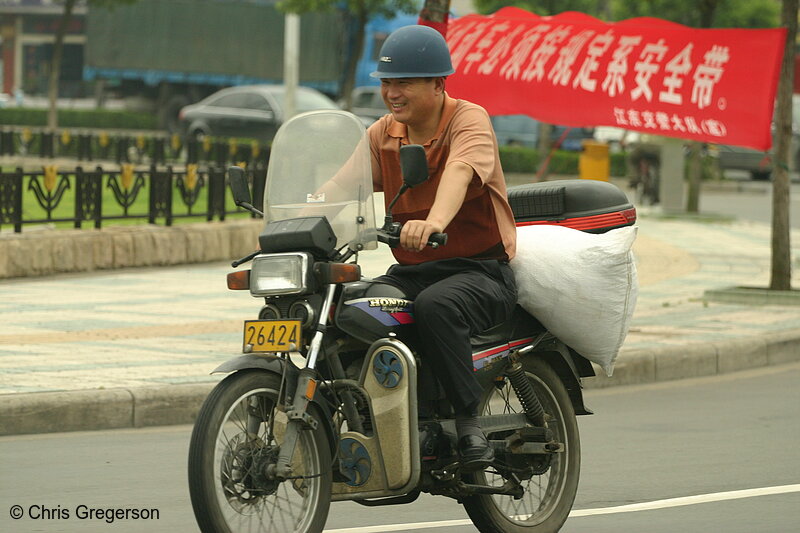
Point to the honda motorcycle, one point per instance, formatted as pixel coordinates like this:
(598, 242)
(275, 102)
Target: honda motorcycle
(322, 404)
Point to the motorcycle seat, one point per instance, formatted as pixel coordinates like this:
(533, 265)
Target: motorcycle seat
(521, 324)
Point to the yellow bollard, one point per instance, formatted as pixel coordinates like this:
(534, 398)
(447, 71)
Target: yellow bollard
(594, 162)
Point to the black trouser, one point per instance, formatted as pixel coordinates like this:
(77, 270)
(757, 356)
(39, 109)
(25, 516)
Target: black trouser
(454, 299)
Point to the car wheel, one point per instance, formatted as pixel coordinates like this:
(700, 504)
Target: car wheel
(197, 134)
(760, 174)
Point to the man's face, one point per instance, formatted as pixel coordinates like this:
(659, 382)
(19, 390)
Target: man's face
(411, 101)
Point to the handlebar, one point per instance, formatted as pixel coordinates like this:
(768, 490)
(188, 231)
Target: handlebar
(392, 237)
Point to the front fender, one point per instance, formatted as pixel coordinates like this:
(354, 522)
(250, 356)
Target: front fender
(270, 363)
(277, 365)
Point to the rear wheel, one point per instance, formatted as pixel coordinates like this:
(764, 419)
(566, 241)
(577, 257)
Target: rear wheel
(237, 436)
(552, 479)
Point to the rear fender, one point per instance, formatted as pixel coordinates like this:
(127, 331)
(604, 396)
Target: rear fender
(570, 367)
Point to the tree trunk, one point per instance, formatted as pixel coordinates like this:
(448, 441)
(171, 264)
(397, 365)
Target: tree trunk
(55, 65)
(543, 146)
(695, 170)
(781, 272)
(357, 48)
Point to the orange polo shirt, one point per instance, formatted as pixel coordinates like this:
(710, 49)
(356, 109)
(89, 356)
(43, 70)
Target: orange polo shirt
(484, 226)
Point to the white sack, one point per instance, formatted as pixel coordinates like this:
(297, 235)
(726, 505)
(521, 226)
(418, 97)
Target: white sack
(581, 286)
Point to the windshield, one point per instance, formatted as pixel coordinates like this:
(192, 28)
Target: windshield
(308, 152)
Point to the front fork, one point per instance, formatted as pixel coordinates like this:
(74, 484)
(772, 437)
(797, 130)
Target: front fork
(299, 417)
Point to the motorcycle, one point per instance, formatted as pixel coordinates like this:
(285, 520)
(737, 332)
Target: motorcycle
(322, 406)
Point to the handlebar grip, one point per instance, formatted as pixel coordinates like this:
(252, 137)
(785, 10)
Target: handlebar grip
(437, 239)
(434, 241)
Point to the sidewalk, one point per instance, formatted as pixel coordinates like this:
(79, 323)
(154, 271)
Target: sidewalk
(134, 347)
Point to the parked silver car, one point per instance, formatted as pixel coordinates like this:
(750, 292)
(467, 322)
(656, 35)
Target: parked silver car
(760, 163)
(368, 102)
(251, 111)
(522, 130)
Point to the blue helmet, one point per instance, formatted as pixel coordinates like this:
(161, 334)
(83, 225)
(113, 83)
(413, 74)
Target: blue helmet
(414, 52)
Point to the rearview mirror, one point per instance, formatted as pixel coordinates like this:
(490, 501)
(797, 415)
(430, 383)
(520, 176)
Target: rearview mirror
(413, 165)
(239, 186)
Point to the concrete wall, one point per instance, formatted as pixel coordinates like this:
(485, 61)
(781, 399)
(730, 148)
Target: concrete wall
(43, 252)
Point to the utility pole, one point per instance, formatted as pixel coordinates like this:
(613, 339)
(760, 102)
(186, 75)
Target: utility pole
(291, 62)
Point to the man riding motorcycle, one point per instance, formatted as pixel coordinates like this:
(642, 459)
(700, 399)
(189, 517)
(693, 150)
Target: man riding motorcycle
(466, 287)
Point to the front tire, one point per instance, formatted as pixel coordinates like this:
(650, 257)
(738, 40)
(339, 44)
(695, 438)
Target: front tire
(548, 497)
(238, 433)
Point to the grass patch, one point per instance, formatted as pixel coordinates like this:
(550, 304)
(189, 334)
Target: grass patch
(119, 206)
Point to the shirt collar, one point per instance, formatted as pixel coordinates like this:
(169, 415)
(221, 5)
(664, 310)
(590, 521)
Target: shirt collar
(400, 130)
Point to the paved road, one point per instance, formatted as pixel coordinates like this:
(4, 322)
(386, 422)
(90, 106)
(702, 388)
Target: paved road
(707, 437)
(750, 200)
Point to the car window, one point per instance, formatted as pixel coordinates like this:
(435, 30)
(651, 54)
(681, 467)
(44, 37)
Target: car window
(309, 101)
(230, 100)
(363, 100)
(256, 101)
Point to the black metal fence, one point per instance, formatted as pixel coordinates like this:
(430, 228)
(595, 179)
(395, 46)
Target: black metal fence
(123, 147)
(79, 196)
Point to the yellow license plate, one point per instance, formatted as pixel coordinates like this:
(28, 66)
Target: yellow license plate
(272, 335)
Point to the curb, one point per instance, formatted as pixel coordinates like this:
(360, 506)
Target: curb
(88, 410)
(41, 253)
(753, 296)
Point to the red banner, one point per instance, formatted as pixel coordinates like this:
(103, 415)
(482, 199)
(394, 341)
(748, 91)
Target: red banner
(642, 74)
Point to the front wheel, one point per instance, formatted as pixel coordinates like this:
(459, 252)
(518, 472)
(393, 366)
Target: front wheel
(549, 481)
(236, 438)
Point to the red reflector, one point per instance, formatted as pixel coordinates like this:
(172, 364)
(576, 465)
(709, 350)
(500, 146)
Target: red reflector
(603, 221)
(239, 280)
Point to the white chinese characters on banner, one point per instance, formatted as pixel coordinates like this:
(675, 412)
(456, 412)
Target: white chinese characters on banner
(708, 74)
(597, 48)
(486, 45)
(644, 74)
(614, 82)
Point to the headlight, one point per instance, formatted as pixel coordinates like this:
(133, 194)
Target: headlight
(278, 274)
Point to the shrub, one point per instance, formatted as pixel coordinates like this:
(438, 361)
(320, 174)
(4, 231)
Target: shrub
(519, 159)
(526, 160)
(79, 118)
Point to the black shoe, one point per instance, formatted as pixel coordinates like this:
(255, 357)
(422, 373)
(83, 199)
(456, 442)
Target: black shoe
(474, 453)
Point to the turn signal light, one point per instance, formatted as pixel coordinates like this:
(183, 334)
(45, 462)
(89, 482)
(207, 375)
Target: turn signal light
(329, 273)
(239, 280)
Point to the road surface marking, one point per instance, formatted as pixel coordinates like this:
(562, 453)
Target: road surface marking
(643, 506)
(688, 500)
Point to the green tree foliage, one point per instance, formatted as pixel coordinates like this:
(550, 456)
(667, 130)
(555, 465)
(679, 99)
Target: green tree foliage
(371, 8)
(726, 13)
(357, 14)
(541, 7)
